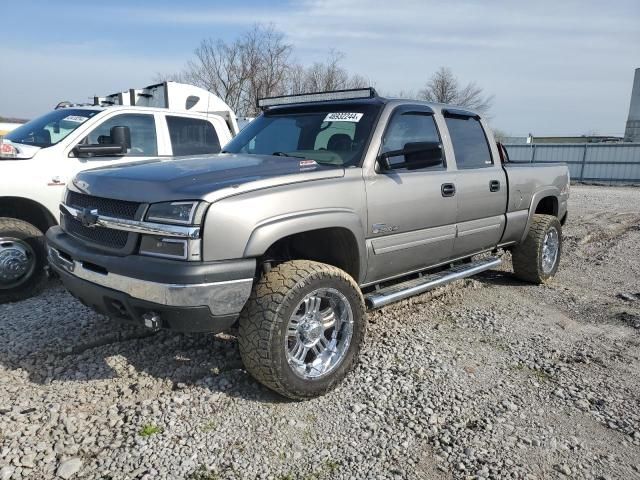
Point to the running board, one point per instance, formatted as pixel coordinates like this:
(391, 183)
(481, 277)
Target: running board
(384, 296)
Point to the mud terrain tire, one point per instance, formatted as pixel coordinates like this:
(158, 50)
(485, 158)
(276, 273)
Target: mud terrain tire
(533, 259)
(265, 326)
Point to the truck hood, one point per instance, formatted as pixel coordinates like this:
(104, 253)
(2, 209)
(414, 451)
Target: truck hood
(204, 177)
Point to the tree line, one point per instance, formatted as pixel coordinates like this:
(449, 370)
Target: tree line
(260, 63)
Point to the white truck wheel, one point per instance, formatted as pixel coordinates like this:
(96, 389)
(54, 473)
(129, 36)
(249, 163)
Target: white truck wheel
(22, 260)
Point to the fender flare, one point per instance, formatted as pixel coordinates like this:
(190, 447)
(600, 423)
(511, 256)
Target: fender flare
(47, 220)
(268, 232)
(535, 200)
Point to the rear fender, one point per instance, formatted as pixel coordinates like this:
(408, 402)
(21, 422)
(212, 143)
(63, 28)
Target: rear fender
(535, 200)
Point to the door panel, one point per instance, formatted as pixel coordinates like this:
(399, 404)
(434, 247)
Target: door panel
(415, 223)
(481, 185)
(480, 220)
(411, 215)
(476, 235)
(417, 238)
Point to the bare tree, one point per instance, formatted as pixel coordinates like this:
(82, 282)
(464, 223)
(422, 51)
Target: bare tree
(259, 64)
(219, 68)
(323, 76)
(443, 87)
(500, 135)
(254, 65)
(329, 75)
(398, 93)
(267, 62)
(297, 81)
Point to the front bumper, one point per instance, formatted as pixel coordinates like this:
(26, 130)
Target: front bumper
(183, 296)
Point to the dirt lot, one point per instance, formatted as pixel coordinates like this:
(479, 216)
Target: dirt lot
(486, 378)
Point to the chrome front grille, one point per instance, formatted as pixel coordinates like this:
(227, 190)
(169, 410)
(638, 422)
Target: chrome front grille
(99, 235)
(105, 206)
(106, 237)
(116, 224)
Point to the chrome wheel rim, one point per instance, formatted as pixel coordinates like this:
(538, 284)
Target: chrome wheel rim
(17, 262)
(319, 333)
(550, 248)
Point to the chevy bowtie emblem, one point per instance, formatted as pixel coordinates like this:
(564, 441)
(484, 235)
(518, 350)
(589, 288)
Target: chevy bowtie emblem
(88, 217)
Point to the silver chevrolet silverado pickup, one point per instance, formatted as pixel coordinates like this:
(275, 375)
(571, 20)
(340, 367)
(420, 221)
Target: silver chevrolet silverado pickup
(325, 206)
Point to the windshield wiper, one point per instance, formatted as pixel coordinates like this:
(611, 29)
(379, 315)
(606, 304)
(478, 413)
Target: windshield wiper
(285, 154)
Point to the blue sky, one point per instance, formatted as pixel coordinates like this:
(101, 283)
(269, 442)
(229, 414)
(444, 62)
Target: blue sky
(555, 67)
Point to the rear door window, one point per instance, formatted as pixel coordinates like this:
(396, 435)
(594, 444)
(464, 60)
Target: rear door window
(192, 136)
(470, 144)
(143, 133)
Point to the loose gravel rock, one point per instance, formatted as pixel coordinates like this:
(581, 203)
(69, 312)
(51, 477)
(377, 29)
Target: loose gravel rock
(69, 468)
(485, 378)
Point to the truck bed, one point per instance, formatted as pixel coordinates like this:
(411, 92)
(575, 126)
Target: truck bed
(527, 179)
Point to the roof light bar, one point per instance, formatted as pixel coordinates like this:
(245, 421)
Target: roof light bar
(350, 94)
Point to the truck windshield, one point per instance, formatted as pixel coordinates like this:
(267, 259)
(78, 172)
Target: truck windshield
(328, 134)
(49, 129)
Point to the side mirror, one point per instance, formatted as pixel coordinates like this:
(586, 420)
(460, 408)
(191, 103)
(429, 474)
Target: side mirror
(416, 155)
(117, 143)
(121, 136)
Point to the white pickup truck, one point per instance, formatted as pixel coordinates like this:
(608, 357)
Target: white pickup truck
(38, 158)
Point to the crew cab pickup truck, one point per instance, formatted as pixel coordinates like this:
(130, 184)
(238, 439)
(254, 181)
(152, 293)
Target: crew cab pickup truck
(38, 158)
(324, 206)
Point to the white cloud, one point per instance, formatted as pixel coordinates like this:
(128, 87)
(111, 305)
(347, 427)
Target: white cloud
(548, 63)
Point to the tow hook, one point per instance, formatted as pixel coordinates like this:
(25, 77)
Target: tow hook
(151, 320)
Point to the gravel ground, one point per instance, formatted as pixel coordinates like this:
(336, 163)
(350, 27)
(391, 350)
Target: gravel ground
(485, 378)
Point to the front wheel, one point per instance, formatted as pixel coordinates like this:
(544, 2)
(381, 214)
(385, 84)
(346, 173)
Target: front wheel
(22, 260)
(302, 329)
(536, 259)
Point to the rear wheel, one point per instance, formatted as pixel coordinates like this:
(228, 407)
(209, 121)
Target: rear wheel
(302, 329)
(22, 260)
(536, 259)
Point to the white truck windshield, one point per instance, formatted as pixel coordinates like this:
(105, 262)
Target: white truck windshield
(51, 128)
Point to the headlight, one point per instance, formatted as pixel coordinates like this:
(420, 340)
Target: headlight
(8, 151)
(183, 213)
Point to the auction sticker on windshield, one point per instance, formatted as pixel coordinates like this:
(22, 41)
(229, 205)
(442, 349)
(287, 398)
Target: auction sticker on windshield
(343, 117)
(75, 118)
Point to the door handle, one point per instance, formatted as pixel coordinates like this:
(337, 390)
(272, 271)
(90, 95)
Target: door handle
(494, 185)
(448, 189)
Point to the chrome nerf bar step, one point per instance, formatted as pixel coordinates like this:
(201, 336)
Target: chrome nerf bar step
(384, 296)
